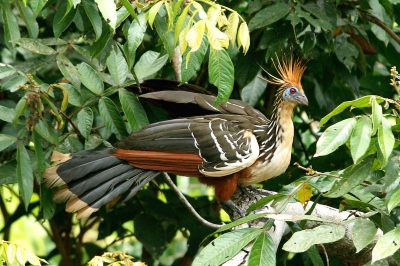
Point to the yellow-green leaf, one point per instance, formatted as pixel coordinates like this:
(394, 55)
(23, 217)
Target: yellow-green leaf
(233, 24)
(243, 37)
(386, 245)
(195, 35)
(151, 14)
(385, 139)
(376, 115)
(305, 192)
(216, 38)
(213, 13)
(394, 200)
(182, 40)
(180, 23)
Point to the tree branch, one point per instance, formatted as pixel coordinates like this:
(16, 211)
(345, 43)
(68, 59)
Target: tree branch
(380, 24)
(343, 248)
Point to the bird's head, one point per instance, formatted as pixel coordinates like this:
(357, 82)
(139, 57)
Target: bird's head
(290, 72)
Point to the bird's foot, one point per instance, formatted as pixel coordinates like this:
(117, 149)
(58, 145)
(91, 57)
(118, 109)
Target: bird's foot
(233, 208)
(252, 192)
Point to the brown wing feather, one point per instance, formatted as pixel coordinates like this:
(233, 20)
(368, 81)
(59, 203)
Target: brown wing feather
(184, 164)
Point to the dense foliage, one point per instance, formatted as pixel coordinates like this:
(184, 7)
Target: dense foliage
(66, 67)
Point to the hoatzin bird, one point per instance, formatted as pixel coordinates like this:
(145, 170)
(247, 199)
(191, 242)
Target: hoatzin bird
(234, 144)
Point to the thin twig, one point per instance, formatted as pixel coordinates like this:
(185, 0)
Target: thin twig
(187, 204)
(380, 24)
(326, 255)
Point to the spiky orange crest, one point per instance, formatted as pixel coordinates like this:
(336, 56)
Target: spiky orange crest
(290, 72)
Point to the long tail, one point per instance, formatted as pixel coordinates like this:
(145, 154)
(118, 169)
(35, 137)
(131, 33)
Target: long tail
(90, 179)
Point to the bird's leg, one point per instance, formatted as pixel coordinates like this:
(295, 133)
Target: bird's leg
(252, 192)
(229, 204)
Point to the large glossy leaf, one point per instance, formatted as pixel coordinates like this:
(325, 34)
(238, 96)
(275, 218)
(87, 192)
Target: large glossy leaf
(394, 200)
(24, 174)
(252, 92)
(269, 15)
(134, 112)
(85, 121)
(387, 245)
(92, 12)
(360, 138)
(108, 10)
(149, 64)
(117, 66)
(351, 177)
(263, 251)
(226, 246)
(217, 39)
(90, 78)
(6, 141)
(376, 115)
(112, 118)
(335, 136)
(134, 39)
(385, 139)
(359, 103)
(46, 132)
(363, 232)
(303, 240)
(221, 74)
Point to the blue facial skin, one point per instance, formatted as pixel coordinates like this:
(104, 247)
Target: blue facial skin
(292, 94)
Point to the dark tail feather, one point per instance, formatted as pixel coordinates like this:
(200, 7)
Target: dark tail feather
(91, 179)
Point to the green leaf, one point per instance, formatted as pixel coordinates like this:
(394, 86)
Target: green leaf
(221, 74)
(6, 114)
(196, 59)
(151, 14)
(134, 38)
(362, 102)
(47, 132)
(112, 118)
(90, 78)
(252, 92)
(11, 29)
(62, 19)
(263, 251)
(35, 46)
(36, 6)
(394, 200)
(104, 41)
(8, 173)
(129, 8)
(74, 95)
(376, 115)
(317, 23)
(363, 232)
(180, 23)
(351, 177)
(319, 10)
(263, 201)
(334, 136)
(27, 16)
(40, 159)
(167, 37)
(360, 138)
(149, 64)
(68, 70)
(385, 139)
(345, 51)
(92, 12)
(387, 245)
(85, 121)
(14, 83)
(24, 174)
(108, 10)
(134, 112)
(303, 240)
(226, 246)
(117, 66)
(6, 141)
(19, 109)
(269, 15)
(6, 71)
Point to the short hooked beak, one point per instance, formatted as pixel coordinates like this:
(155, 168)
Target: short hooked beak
(301, 98)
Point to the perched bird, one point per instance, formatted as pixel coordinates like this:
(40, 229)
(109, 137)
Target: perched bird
(232, 144)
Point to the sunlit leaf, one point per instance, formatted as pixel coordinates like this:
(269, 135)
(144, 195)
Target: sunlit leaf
(363, 232)
(108, 10)
(151, 14)
(385, 139)
(216, 38)
(387, 245)
(14, 83)
(190, 68)
(263, 251)
(194, 36)
(304, 194)
(360, 138)
(35, 46)
(335, 136)
(232, 28)
(30, 22)
(394, 200)
(303, 240)
(243, 37)
(226, 246)
(149, 64)
(180, 23)
(376, 115)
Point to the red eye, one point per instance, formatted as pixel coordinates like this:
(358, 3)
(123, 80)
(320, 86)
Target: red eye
(292, 91)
